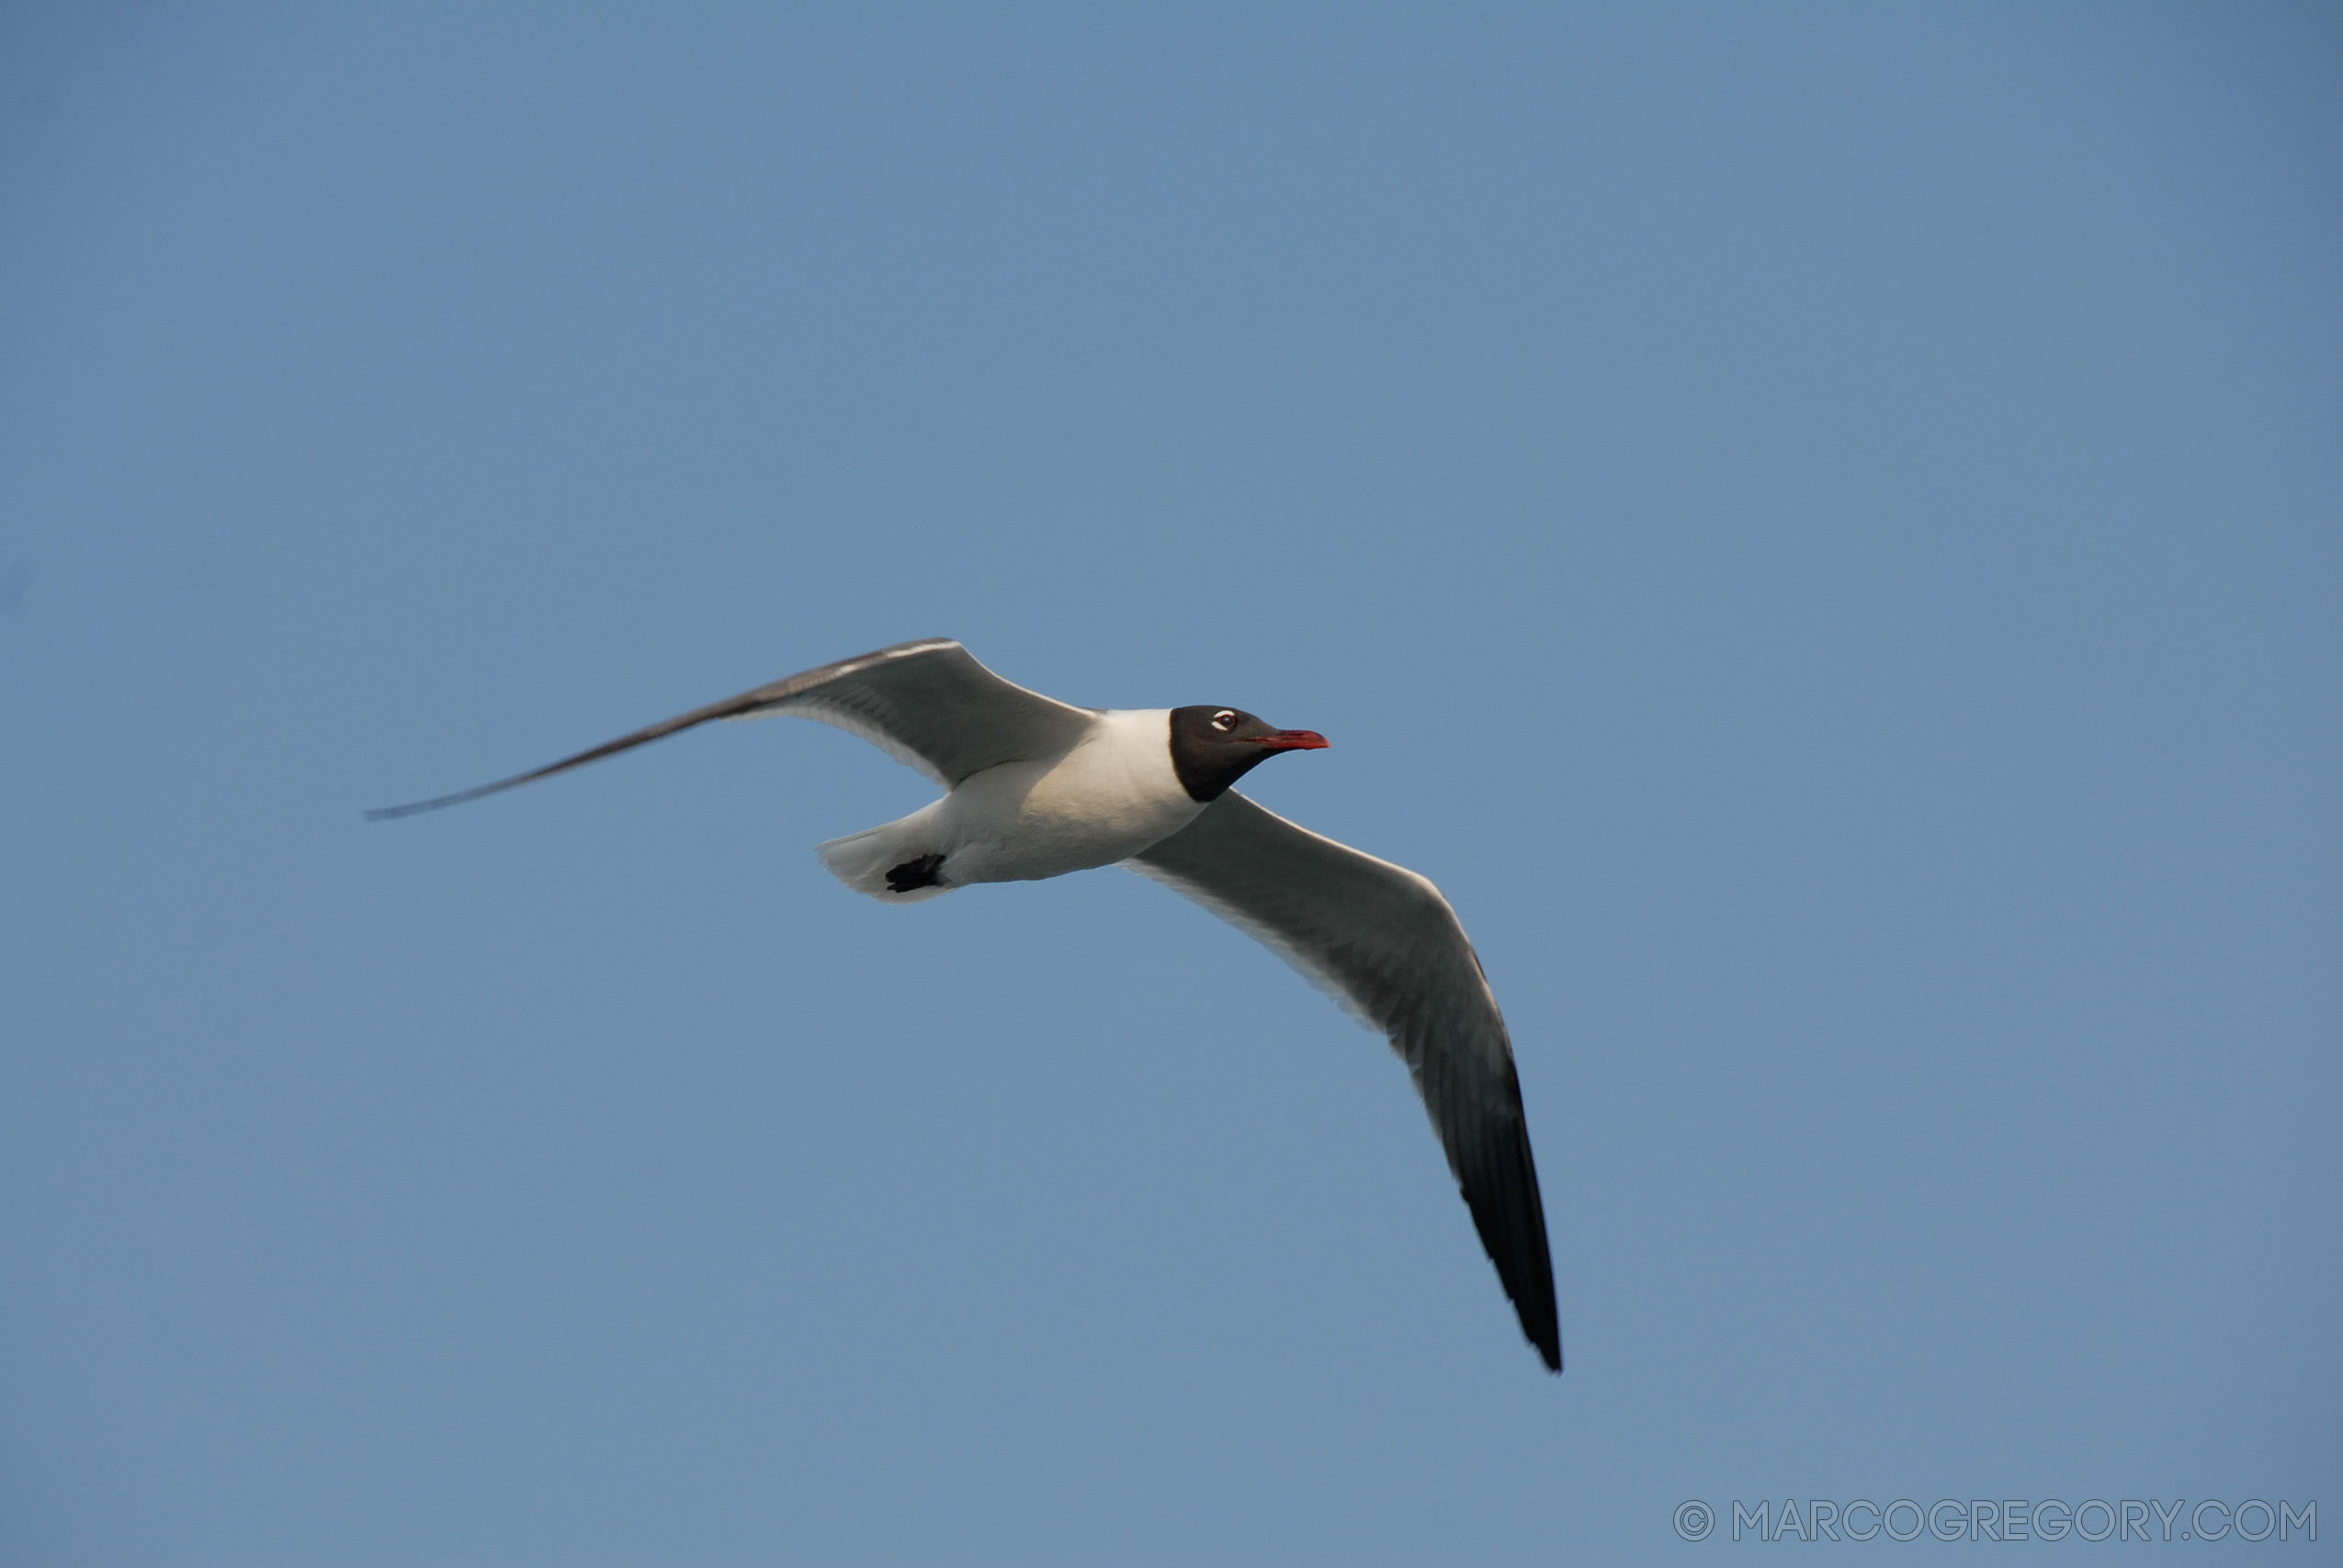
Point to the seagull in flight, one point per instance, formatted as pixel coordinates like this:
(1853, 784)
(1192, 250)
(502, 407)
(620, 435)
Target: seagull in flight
(1037, 787)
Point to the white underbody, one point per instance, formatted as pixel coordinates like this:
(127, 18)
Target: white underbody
(1111, 796)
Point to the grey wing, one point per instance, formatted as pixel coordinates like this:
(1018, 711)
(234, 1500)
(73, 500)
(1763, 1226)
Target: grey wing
(1388, 946)
(928, 702)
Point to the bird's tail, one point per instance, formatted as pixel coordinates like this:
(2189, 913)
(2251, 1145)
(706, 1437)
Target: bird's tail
(895, 863)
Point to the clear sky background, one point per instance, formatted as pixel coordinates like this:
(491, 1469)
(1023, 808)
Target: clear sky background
(1815, 525)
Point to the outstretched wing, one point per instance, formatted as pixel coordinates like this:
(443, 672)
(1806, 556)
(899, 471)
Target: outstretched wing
(928, 704)
(1388, 946)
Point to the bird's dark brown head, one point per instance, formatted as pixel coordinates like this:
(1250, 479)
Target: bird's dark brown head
(1212, 747)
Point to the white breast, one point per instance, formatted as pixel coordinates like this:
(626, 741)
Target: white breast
(1111, 796)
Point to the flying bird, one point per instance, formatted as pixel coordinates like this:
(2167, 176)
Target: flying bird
(1037, 787)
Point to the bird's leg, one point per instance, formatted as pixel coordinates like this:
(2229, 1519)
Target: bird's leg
(923, 872)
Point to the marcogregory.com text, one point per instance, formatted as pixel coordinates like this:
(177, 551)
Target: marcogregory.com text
(2004, 1518)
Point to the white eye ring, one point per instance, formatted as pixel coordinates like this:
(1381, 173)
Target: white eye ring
(1224, 719)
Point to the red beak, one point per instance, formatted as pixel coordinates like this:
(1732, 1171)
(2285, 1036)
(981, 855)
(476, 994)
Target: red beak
(1292, 740)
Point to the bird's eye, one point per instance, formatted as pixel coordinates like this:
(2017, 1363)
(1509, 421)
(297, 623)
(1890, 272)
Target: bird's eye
(1224, 719)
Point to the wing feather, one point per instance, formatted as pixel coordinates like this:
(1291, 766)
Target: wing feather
(1386, 945)
(929, 704)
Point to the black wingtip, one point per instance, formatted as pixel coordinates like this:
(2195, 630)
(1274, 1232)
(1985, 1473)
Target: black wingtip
(1516, 1244)
(391, 813)
(1544, 1331)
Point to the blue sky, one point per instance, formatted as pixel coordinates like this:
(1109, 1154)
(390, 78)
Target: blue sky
(1817, 526)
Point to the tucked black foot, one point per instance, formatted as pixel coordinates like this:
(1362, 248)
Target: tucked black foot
(921, 873)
